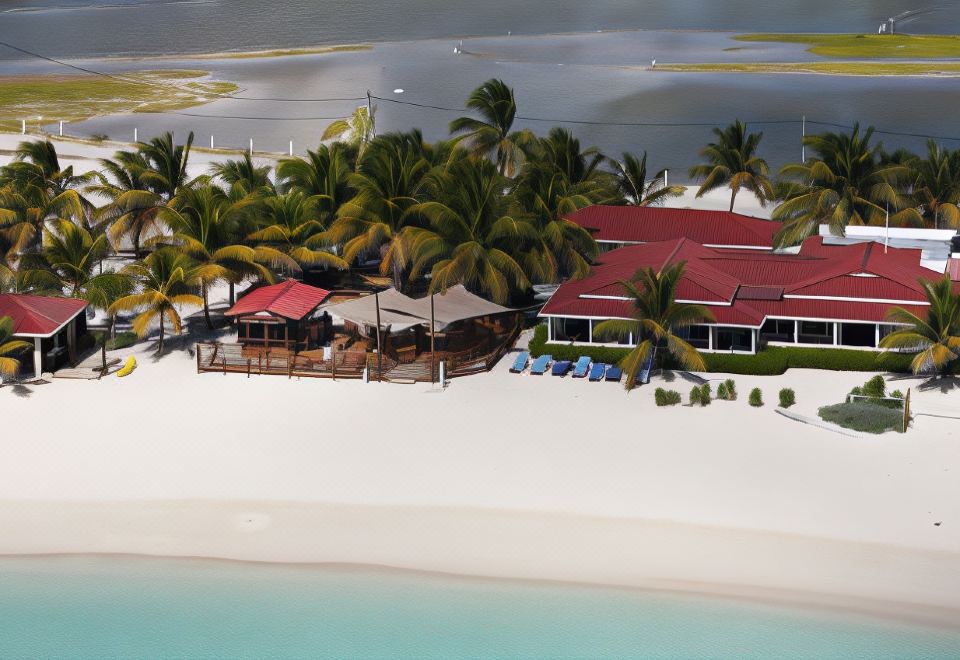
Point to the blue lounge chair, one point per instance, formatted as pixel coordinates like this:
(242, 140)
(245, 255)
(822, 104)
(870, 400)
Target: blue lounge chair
(539, 366)
(521, 362)
(644, 376)
(581, 367)
(614, 373)
(597, 371)
(561, 367)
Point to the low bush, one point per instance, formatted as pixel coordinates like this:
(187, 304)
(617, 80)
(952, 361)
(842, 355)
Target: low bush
(876, 387)
(863, 416)
(122, 340)
(695, 397)
(705, 394)
(727, 390)
(756, 397)
(666, 397)
(787, 397)
(722, 391)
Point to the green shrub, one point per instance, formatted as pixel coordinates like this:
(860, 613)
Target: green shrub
(695, 396)
(666, 397)
(722, 391)
(705, 394)
(787, 397)
(756, 397)
(863, 416)
(856, 391)
(876, 387)
(896, 394)
(731, 389)
(122, 340)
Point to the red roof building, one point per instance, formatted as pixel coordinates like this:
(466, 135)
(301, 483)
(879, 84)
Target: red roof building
(617, 226)
(834, 295)
(281, 315)
(54, 324)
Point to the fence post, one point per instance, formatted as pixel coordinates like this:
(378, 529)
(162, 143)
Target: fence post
(248, 367)
(333, 361)
(198, 358)
(224, 364)
(289, 366)
(906, 411)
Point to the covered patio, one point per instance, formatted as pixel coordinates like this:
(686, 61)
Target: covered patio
(282, 316)
(55, 326)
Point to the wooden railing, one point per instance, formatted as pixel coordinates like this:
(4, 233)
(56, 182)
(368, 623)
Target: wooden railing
(229, 358)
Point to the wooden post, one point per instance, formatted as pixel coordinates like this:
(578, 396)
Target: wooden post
(248, 367)
(433, 342)
(906, 411)
(289, 366)
(376, 300)
(198, 357)
(333, 360)
(224, 364)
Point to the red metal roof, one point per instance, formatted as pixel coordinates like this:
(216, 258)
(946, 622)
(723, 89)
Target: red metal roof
(743, 287)
(647, 224)
(39, 315)
(291, 299)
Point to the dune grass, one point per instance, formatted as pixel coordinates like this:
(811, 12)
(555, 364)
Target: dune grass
(75, 98)
(284, 52)
(903, 46)
(823, 68)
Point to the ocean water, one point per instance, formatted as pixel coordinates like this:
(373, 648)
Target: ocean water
(82, 607)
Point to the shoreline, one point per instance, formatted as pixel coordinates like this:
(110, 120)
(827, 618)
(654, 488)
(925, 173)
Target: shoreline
(908, 585)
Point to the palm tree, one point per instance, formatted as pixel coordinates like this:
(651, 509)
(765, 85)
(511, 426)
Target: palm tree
(843, 184)
(167, 173)
(204, 221)
(657, 317)
(37, 165)
(359, 129)
(561, 248)
(292, 227)
(936, 339)
(493, 134)
(732, 161)
(390, 180)
(133, 208)
(470, 238)
(560, 152)
(323, 177)
(631, 175)
(243, 177)
(165, 280)
(9, 347)
(24, 212)
(936, 185)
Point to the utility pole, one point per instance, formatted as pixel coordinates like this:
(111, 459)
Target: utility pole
(376, 300)
(803, 137)
(373, 121)
(433, 341)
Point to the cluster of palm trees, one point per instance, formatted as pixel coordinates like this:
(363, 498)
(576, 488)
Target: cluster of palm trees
(848, 180)
(486, 208)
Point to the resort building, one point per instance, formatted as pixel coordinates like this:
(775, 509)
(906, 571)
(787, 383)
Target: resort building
(614, 227)
(822, 296)
(55, 326)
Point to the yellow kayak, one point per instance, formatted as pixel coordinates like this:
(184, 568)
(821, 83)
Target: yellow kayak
(128, 367)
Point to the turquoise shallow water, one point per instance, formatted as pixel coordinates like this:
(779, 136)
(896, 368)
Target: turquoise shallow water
(128, 607)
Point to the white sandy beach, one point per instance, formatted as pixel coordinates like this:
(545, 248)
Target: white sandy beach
(497, 475)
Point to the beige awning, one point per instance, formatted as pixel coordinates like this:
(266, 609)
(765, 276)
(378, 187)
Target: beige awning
(401, 312)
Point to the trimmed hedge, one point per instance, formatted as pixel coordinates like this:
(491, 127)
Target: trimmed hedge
(122, 340)
(787, 397)
(863, 416)
(771, 361)
(666, 397)
(756, 397)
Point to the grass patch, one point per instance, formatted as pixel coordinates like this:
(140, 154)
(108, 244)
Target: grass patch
(902, 46)
(75, 98)
(122, 340)
(824, 68)
(863, 416)
(284, 52)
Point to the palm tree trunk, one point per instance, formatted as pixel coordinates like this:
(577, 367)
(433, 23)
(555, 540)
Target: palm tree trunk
(206, 306)
(733, 198)
(160, 346)
(232, 294)
(113, 326)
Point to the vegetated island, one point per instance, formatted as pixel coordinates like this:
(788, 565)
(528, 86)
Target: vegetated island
(79, 97)
(251, 54)
(869, 46)
(942, 69)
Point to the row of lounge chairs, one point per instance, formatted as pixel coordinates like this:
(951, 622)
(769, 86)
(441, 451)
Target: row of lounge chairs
(582, 368)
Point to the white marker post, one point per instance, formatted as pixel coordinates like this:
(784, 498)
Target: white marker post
(61, 128)
(23, 127)
(666, 178)
(211, 142)
(291, 147)
(135, 136)
(251, 147)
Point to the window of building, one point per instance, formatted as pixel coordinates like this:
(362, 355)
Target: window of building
(609, 339)
(816, 332)
(858, 334)
(736, 339)
(777, 330)
(697, 335)
(566, 329)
